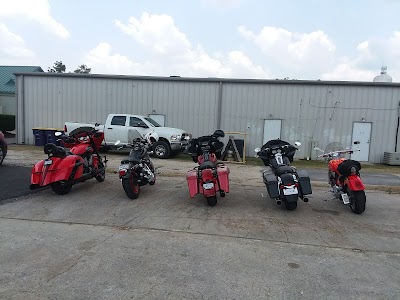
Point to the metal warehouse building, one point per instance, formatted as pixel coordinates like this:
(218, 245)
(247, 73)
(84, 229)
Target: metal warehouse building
(312, 112)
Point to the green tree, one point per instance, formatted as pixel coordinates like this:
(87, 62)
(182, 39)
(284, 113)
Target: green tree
(82, 69)
(58, 67)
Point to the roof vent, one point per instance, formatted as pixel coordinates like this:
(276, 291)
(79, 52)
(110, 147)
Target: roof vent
(383, 77)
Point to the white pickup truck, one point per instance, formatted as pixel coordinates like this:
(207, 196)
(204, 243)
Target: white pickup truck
(123, 127)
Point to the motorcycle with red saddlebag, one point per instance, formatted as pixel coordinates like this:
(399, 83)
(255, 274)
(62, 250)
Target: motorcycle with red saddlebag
(62, 169)
(209, 177)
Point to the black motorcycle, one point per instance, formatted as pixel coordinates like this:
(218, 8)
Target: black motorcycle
(285, 183)
(137, 169)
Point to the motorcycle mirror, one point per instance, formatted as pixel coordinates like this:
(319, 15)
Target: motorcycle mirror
(117, 143)
(257, 150)
(298, 144)
(356, 142)
(58, 133)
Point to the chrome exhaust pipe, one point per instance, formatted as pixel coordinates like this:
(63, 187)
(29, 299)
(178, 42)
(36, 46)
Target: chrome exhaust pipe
(279, 202)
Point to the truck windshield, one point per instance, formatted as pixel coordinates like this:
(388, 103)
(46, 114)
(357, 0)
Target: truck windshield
(154, 123)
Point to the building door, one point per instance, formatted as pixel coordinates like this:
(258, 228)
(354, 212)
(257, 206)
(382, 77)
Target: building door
(361, 135)
(272, 130)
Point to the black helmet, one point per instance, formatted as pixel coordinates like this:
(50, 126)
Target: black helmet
(219, 133)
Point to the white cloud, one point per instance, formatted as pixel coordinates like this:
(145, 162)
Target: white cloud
(37, 11)
(299, 53)
(173, 54)
(12, 47)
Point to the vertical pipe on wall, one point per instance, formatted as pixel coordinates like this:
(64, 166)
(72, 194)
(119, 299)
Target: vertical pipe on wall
(219, 106)
(20, 118)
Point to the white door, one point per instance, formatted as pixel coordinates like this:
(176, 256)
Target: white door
(362, 136)
(160, 119)
(272, 130)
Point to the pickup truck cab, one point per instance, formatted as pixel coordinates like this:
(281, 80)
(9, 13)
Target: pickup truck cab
(123, 126)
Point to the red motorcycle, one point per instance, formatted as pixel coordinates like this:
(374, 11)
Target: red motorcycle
(209, 177)
(64, 168)
(344, 177)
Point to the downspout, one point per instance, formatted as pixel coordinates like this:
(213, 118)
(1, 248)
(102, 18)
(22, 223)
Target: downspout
(20, 118)
(397, 129)
(219, 106)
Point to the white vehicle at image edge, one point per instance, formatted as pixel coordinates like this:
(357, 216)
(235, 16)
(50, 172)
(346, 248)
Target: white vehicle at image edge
(124, 128)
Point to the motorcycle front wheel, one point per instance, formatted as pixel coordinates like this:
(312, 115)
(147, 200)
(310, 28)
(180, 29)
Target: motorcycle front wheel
(131, 187)
(61, 189)
(102, 175)
(357, 201)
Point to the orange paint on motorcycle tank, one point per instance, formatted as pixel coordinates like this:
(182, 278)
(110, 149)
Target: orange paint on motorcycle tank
(334, 163)
(354, 183)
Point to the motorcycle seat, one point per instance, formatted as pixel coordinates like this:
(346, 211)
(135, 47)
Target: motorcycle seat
(54, 150)
(131, 159)
(283, 170)
(207, 165)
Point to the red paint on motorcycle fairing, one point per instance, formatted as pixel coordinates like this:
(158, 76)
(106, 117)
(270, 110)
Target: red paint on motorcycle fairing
(354, 183)
(60, 169)
(212, 158)
(191, 178)
(334, 163)
(223, 176)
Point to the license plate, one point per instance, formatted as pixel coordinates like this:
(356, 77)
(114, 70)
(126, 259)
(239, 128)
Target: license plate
(48, 162)
(208, 186)
(290, 191)
(345, 199)
(123, 167)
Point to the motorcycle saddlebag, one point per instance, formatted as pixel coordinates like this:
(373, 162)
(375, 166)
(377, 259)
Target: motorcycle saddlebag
(271, 183)
(191, 178)
(223, 176)
(304, 181)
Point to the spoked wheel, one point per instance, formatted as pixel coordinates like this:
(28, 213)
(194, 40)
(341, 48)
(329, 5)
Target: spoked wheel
(61, 189)
(291, 205)
(102, 175)
(357, 201)
(212, 201)
(131, 187)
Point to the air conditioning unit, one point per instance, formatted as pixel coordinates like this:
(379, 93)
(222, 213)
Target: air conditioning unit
(391, 158)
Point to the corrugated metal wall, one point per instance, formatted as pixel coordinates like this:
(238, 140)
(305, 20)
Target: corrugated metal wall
(314, 114)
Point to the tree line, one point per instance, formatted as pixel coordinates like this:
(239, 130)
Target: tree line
(59, 67)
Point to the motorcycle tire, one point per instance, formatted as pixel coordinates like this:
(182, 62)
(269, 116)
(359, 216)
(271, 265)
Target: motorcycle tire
(291, 205)
(212, 201)
(131, 187)
(357, 201)
(60, 189)
(102, 175)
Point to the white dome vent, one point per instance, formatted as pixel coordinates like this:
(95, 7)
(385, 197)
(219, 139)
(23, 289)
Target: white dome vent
(383, 77)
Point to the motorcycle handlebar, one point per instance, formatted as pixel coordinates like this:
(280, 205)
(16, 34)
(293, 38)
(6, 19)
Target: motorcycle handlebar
(350, 151)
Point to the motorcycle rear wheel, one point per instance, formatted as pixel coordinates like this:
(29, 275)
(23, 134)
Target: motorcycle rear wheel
(60, 189)
(131, 187)
(357, 201)
(291, 205)
(212, 201)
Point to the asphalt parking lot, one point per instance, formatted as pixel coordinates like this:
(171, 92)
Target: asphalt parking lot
(95, 243)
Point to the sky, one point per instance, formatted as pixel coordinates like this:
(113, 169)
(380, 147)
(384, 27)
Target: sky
(337, 40)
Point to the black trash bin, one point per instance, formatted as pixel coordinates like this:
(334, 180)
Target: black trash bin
(40, 137)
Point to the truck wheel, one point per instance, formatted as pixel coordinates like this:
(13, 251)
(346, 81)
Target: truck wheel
(161, 149)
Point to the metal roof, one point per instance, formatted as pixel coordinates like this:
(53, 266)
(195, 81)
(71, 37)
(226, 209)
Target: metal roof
(7, 77)
(216, 79)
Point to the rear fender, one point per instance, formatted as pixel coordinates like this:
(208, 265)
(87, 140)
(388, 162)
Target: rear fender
(62, 169)
(287, 179)
(354, 183)
(208, 176)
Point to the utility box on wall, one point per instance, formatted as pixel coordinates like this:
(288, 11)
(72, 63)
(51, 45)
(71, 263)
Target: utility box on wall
(391, 158)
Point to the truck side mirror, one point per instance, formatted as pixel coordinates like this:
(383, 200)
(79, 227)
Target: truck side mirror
(141, 124)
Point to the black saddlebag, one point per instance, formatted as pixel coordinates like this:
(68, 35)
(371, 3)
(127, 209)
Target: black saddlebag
(304, 181)
(272, 184)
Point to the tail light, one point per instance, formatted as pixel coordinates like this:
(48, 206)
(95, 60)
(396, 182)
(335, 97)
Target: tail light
(122, 172)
